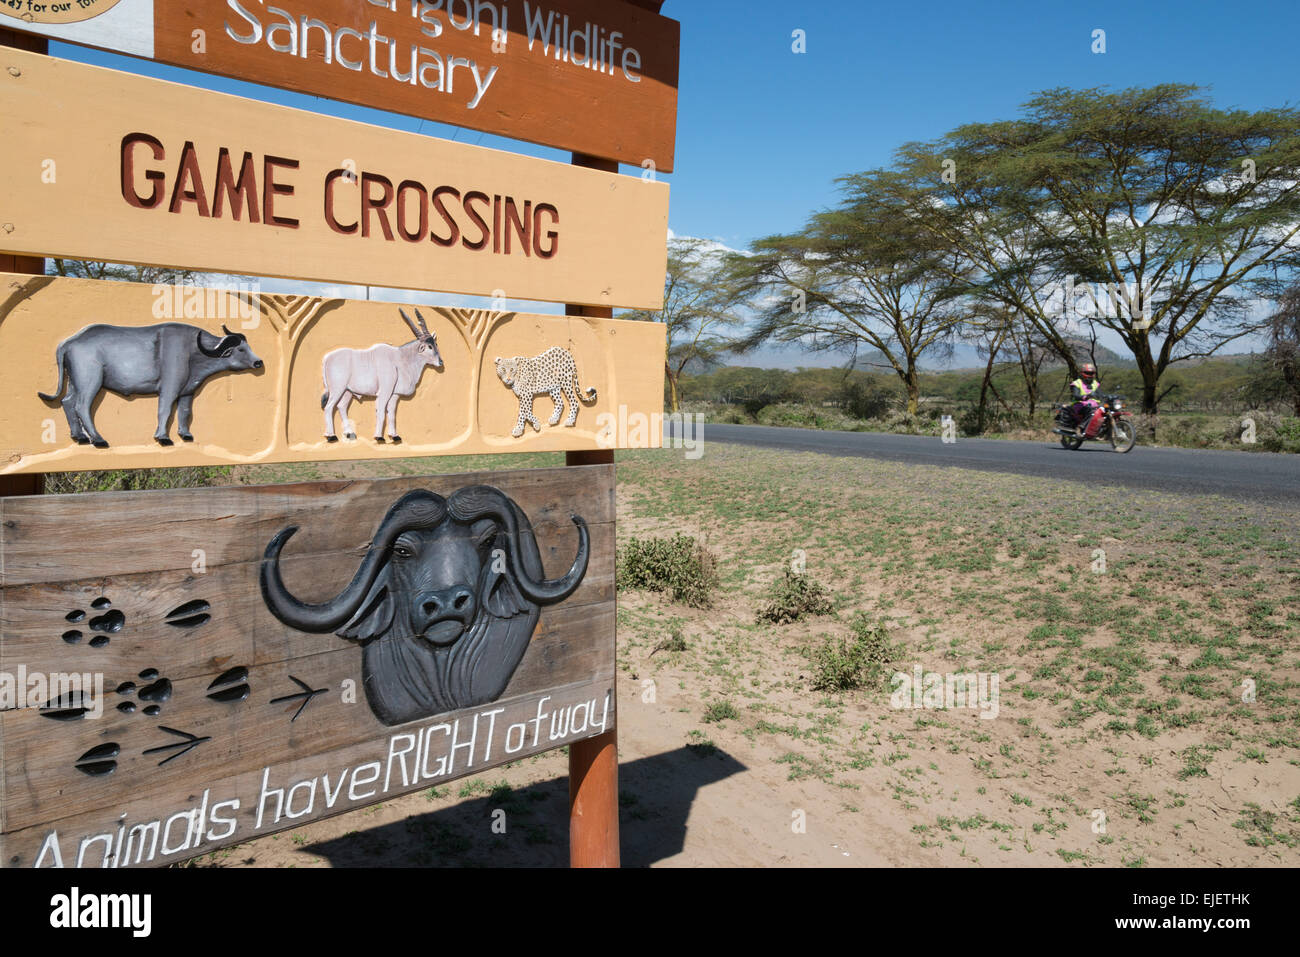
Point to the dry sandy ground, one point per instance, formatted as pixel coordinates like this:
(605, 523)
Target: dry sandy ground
(1104, 751)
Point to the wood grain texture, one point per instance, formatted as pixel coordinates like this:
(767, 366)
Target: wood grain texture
(528, 93)
(389, 208)
(274, 413)
(69, 559)
(277, 798)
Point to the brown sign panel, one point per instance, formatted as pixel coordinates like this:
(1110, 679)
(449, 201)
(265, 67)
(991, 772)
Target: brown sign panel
(127, 375)
(189, 669)
(592, 76)
(100, 164)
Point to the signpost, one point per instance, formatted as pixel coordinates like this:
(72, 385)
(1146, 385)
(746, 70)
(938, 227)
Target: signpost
(591, 76)
(184, 670)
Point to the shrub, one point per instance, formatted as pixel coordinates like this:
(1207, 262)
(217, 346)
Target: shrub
(841, 664)
(905, 423)
(794, 596)
(796, 416)
(793, 415)
(1283, 435)
(865, 401)
(675, 641)
(679, 565)
(996, 420)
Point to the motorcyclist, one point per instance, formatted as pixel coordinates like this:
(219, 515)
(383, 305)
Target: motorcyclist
(1084, 391)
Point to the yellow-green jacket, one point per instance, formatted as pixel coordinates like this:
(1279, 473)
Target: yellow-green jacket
(1082, 388)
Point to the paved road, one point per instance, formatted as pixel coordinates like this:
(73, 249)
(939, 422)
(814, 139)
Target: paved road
(1246, 475)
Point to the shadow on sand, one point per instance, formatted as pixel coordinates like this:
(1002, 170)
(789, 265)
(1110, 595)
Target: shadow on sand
(655, 798)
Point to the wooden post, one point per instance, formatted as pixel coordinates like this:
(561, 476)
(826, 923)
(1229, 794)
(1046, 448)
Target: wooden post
(22, 484)
(593, 762)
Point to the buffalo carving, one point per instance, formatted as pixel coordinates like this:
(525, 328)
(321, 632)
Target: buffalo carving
(170, 360)
(444, 603)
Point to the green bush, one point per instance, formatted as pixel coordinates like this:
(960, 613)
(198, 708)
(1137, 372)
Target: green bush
(841, 664)
(731, 415)
(997, 421)
(868, 401)
(905, 423)
(791, 416)
(794, 596)
(1284, 436)
(797, 416)
(679, 565)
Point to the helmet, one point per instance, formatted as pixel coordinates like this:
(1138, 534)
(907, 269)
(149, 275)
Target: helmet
(1089, 371)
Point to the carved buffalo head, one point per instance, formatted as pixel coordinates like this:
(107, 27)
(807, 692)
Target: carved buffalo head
(444, 602)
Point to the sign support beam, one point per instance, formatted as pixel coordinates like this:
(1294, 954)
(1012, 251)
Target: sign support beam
(593, 762)
(33, 265)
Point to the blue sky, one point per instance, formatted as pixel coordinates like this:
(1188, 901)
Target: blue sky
(763, 132)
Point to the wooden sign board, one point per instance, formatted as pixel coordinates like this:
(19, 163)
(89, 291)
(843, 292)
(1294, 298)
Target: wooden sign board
(591, 76)
(126, 375)
(100, 164)
(183, 670)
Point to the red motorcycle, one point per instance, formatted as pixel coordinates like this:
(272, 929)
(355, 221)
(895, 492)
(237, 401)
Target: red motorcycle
(1109, 422)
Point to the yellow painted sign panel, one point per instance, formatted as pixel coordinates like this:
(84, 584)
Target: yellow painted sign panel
(126, 375)
(100, 164)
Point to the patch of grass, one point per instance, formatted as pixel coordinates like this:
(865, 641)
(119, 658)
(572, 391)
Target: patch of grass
(1196, 763)
(1259, 828)
(700, 745)
(720, 711)
(794, 596)
(675, 641)
(134, 480)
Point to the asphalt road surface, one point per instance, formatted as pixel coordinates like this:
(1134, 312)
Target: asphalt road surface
(1258, 476)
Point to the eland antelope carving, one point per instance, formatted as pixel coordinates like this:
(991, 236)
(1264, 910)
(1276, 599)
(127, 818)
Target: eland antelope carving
(382, 372)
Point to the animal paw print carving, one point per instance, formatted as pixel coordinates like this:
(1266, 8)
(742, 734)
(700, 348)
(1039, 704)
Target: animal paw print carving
(230, 686)
(70, 706)
(189, 615)
(99, 760)
(153, 695)
(104, 621)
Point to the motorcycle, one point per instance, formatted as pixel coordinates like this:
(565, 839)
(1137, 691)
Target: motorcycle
(1109, 422)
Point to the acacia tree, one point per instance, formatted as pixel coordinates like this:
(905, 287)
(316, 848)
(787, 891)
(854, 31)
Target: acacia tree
(1031, 351)
(992, 329)
(1180, 212)
(700, 306)
(1282, 352)
(859, 276)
